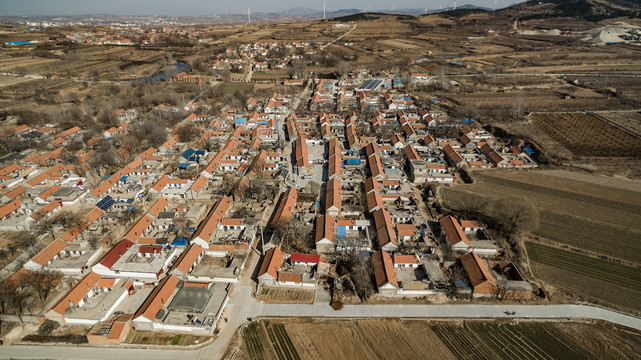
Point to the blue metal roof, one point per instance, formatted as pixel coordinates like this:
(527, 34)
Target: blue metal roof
(184, 165)
(240, 121)
(189, 152)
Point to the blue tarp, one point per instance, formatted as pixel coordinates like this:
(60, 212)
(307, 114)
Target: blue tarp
(124, 178)
(184, 165)
(352, 162)
(342, 232)
(462, 285)
(529, 150)
(180, 241)
(17, 42)
(240, 121)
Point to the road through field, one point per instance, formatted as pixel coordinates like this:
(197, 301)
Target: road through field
(250, 305)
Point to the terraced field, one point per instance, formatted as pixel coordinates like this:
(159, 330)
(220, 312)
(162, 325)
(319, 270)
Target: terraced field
(586, 135)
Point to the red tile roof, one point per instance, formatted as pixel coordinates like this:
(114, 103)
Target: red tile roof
(50, 191)
(383, 269)
(49, 252)
(160, 184)
(286, 205)
(139, 228)
(187, 259)
(199, 184)
(77, 293)
(9, 208)
(333, 194)
(476, 269)
(110, 258)
(453, 231)
(324, 228)
(208, 226)
(159, 206)
(272, 263)
(158, 298)
(405, 259)
(306, 258)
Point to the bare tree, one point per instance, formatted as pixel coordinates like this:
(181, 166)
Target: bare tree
(517, 108)
(43, 281)
(14, 296)
(188, 133)
(515, 215)
(472, 205)
(361, 275)
(130, 214)
(295, 237)
(261, 189)
(313, 188)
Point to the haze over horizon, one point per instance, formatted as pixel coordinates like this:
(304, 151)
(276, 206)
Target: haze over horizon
(208, 7)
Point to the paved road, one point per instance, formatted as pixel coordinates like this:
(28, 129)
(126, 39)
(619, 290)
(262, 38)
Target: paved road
(244, 305)
(453, 311)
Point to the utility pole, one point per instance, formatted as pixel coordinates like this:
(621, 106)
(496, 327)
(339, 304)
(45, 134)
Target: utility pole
(262, 240)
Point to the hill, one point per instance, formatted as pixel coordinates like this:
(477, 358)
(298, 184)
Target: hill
(590, 10)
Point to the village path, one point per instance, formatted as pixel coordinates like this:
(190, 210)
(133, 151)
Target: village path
(340, 37)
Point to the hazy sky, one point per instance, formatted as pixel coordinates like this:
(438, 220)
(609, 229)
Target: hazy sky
(209, 7)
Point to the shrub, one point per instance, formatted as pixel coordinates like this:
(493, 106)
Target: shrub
(337, 304)
(48, 327)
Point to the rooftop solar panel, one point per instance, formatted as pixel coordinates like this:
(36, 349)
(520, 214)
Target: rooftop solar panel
(105, 203)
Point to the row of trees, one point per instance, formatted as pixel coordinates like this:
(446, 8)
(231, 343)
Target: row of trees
(27, 290)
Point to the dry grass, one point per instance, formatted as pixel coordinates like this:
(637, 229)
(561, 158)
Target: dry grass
(163, 338)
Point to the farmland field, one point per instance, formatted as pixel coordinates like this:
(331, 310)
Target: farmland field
(588, 235)
(608, 282)
(420, 339)
(629, 120)
(528, 341)
(586, 135)
(617, 274)
(286, 296)
(586, 205)
(585, 212)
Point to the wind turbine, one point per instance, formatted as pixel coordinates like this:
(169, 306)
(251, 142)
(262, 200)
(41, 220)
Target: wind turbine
(495, 4)
(249, 15)
(454, 5)
(324, 7)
